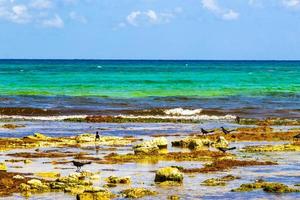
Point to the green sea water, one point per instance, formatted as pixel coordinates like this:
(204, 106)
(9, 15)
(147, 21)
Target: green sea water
(128, 79)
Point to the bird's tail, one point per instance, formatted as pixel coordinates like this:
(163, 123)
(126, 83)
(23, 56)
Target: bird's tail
(232, 148)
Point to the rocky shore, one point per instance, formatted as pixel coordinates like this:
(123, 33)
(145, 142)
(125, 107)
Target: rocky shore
(176, 159)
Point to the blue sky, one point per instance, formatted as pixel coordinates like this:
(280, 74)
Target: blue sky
(150, 29)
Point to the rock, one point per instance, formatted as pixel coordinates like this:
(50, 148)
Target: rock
(198, 143)
(57, 185)
(192, 143)
(18, 177)
(160, 142)
(118, 180)
(168, 184)
(168, 174)
(37, 136)
(221, 142)
(3, 166)
(266, 186)
(173, 197)
(271, 148)
(48, 174)
(86, 137)
(27, 161)
(12, 126)
(135, 193)
(151, 146)
(219, 181)
(146, 150)
(100, 195)
(78, 189)
(24, 187)
(213, 182)
(35, 182)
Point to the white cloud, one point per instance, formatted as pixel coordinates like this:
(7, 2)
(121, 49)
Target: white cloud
(55, 22)
(136, 18)
(223, 13)
(77, 17)
(14, 13)
(132, 17)
(291, 3)
(231, 15)
(45, 13)
(41, 4)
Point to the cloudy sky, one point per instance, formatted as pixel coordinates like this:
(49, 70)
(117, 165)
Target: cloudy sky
(150, 29)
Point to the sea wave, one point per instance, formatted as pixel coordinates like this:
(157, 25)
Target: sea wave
(182, 112)
(190, 117)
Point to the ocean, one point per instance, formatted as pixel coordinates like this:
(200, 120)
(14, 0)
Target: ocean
(254, 89)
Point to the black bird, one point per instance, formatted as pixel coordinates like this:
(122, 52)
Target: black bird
(97, 137)
(226, 131)
(80, 164)
(237, 119)
(297, 136)
(204, 132)
(223, 149)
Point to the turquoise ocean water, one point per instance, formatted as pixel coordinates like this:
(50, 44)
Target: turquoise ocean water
(133, 84)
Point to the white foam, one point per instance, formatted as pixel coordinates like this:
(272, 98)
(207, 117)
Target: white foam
(181, 111)
(194, 117)
(43, 118)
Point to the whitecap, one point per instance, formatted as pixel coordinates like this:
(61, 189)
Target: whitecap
(182, 112)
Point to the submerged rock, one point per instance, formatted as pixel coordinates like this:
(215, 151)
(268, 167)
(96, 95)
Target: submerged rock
(168, 174)
(118, 180)
(266, 186)
(12, 126)
(219, 181)
(93, 195)
(135, 193)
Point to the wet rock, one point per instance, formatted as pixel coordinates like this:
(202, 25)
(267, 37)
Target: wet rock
(18, 177)
(192, 143)
(135, 193)
(37, 136)
(219, 181)
(168, 174)
(146, 150)
(3, 166)
(37, 184)
(95, 195)
(169, 183)
(27, 161)
(173, 197)
(118, 180)
(151, 146)
(266, 186)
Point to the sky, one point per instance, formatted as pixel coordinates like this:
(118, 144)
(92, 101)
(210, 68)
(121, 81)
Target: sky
(150, 29)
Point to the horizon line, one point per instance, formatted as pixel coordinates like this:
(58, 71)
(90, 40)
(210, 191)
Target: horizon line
(137, 59)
